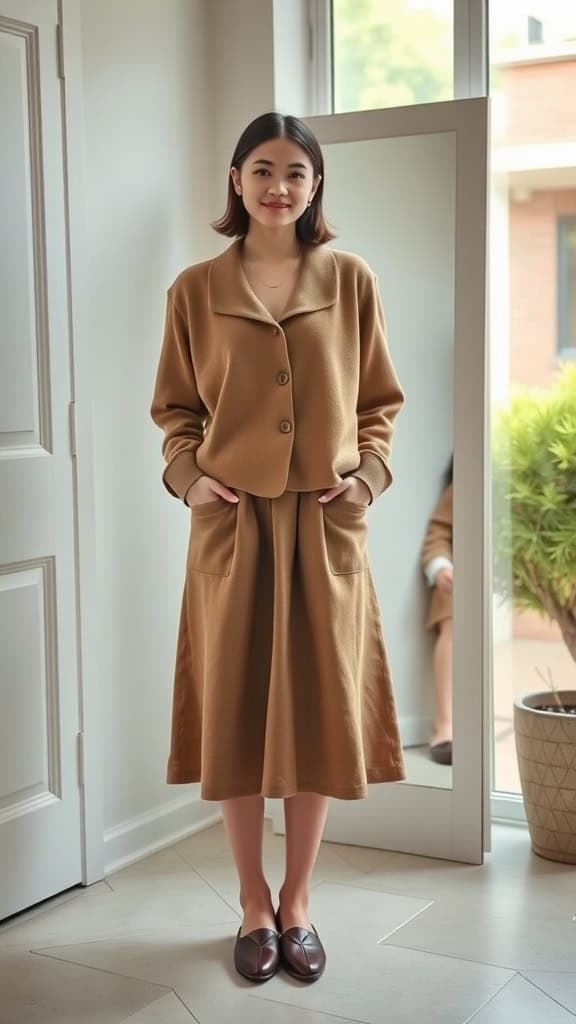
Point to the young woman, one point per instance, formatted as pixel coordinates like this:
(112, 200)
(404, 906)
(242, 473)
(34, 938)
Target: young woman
(277, 397)
(437, 562)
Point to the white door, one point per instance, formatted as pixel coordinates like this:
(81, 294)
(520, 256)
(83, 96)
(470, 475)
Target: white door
(40, 821)
(406, 188)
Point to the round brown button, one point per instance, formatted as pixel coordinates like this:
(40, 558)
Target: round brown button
(285, 426)
(283, 377)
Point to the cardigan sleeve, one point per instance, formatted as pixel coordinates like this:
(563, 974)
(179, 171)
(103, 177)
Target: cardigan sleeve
(438, 539)
(176, 406)
(380, 396)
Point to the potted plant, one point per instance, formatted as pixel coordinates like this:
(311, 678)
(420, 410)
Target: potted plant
(534, 457)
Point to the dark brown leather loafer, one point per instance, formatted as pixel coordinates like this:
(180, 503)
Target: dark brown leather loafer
(442, 752)
(257, 955)
(303, 955)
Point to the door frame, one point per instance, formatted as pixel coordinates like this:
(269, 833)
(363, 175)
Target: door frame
(93, 849)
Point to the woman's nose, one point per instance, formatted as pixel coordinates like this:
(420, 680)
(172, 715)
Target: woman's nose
(278, 188)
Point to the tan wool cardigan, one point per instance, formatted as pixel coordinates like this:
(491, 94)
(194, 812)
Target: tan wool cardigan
(266, 406)
(438, 538)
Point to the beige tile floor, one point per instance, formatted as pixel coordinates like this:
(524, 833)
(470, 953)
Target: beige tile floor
(409, 940)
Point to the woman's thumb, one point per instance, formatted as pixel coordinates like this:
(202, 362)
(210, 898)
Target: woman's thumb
(224, 492)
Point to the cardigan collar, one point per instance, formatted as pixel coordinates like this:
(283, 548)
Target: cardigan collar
(229, 292)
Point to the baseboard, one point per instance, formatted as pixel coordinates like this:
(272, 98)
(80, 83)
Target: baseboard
(508, 808)
(156, 829)
(166, 824)
(415, 730)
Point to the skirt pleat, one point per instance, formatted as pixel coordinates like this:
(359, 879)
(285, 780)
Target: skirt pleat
(282, 682)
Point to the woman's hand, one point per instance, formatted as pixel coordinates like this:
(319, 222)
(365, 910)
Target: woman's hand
(205, 489)
(445, 580)
(354, 488)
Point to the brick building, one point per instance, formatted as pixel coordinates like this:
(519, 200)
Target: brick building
(537, 151)
(534, 158)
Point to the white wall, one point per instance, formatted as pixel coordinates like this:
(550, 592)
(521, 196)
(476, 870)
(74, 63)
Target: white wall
(168, 87)
(240, 82)
(257, 60)
(147, 174)
(292, 85)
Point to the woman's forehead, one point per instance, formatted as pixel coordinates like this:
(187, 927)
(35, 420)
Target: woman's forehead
(276, 152)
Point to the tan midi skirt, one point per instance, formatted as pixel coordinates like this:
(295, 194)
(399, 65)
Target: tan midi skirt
(281, 683)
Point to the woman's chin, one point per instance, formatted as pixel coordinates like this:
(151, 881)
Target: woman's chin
(270, 217)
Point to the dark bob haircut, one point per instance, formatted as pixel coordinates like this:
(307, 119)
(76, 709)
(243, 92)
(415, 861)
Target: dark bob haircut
(311, 228)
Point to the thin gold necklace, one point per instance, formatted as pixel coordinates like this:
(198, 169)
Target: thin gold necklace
(264, 285)
(273, 286)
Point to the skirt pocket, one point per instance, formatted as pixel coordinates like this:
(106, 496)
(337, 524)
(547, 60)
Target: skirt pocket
(345, 530)
(213, 537)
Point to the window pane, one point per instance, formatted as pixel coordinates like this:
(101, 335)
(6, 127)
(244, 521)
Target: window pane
(390, 53)
(567, 287)
(533, 318)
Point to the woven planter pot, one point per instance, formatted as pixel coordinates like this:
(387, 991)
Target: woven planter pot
(546, 751)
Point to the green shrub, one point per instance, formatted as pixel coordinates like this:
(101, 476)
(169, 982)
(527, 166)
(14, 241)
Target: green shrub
(534, 529)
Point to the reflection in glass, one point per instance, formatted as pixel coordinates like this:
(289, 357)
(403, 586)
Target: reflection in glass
(438, 567)
(393, 201)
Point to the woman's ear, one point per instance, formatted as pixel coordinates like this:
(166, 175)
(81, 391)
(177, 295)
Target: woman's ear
(315, 187)
(235, 175)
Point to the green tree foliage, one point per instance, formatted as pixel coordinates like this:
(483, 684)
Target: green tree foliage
(389, 53)
(534, 460)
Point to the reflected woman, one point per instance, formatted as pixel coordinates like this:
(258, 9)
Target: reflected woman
(437, 562)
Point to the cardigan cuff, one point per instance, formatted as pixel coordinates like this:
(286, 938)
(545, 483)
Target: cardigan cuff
(433, 567)
(181, 473)
(374, 473)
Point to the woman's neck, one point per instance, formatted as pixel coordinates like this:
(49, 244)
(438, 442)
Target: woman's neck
(261, 244)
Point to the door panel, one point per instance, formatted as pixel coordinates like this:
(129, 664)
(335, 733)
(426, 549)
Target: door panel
(40, 827)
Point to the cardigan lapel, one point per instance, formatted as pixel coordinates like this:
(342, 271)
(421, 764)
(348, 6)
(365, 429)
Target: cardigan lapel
(229, 292)
(317, 283)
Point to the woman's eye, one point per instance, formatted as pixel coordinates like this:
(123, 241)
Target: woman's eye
(264, 173)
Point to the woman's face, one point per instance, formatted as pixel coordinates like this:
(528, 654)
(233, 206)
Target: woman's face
(276, 182)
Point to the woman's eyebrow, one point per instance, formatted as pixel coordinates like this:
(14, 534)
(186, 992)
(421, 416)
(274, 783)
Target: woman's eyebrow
(270, 163)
